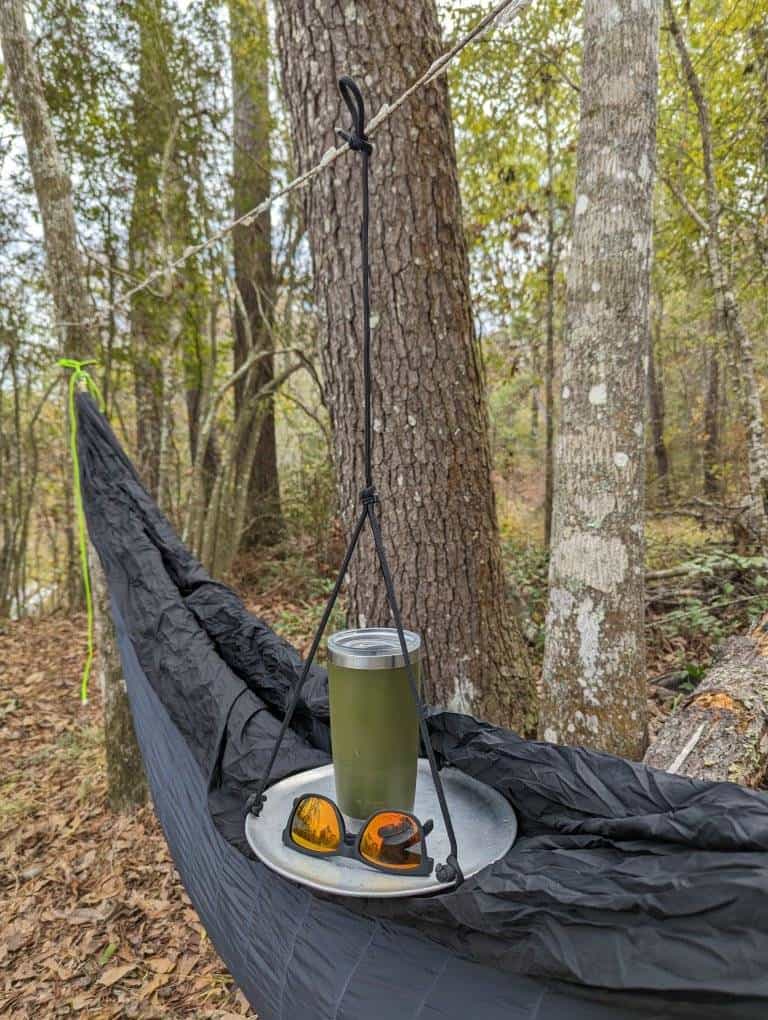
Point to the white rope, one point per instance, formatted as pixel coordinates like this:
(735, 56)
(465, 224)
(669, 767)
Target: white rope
(503, 12)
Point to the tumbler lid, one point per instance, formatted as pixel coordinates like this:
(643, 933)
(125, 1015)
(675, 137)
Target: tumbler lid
(372, 648)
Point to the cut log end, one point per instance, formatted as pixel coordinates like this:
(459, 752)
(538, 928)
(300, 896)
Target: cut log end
(720, 732)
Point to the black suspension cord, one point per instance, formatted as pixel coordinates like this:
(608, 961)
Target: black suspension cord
(450, 871)
(358, 142)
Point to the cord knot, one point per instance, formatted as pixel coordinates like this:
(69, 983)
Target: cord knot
(369, 496)
(450, 871)
(358, 143)
(255, 803)
(356, 138)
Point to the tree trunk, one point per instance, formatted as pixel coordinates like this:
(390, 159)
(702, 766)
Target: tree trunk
(594, 661)
(159, 220)
(126, 782)
(536, 372)
(53, 189)
(431, 451)
(249, 54)
(549, 358)
(712, 426)
(657, 413)
(148, 315)
(729, 312)
(721, 731)
(211, 455)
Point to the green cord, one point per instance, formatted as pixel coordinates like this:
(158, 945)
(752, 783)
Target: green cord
(79, 374)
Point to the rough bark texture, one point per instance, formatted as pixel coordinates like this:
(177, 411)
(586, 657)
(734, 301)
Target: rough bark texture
(728, 309)
(249, 54)
(721, 731)
(431, 447)
(53, 190)
(594, 663)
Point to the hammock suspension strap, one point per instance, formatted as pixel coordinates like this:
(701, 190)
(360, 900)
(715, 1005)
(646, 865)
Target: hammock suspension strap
(450, 870)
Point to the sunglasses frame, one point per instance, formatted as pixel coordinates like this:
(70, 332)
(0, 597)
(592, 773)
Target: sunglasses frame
(349, 846)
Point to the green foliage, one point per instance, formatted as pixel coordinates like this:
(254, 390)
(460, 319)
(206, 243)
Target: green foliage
(527, 565)
(722, 593)
(728, 41)
(507, 93)
(121, 79)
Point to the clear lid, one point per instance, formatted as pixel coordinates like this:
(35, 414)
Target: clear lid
(372, 648)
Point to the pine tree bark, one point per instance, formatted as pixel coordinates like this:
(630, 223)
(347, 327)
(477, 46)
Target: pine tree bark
(431, 449)
(66, 275)
(254, 278)
(594, 662)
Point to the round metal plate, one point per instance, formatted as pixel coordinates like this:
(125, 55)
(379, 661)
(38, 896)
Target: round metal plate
(483, 820)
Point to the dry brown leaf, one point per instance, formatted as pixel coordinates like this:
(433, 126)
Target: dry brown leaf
(160, 964)
(150, 987)
(185, 966)
(114, 974)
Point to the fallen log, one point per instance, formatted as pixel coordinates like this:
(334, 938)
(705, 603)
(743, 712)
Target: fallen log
(720, 731)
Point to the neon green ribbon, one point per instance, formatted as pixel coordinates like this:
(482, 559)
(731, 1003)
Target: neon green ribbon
(79, 374)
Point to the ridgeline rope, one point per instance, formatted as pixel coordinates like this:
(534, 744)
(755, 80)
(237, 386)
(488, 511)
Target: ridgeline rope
(357, 141)
(79, 373)
(501, 13)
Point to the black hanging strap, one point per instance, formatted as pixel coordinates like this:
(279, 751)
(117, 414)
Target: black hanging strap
(450, 871)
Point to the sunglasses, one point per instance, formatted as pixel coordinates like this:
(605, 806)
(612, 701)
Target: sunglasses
(392, 841)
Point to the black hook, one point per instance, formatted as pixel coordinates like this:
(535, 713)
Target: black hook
(353, 97)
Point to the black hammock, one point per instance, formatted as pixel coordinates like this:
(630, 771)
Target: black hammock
(630, 892)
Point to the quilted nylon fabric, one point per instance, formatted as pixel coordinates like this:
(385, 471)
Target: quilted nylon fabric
(630, 892)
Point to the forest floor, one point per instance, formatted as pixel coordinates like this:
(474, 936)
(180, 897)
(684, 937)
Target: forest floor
(94, 921)
(93, 918)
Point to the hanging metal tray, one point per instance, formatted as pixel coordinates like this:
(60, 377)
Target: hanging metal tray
(484, 822)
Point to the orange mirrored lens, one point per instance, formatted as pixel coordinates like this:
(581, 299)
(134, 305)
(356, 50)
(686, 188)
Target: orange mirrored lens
(316, 826)
(392, 840)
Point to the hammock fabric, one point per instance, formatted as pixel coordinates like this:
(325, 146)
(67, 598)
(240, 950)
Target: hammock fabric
(629, 893)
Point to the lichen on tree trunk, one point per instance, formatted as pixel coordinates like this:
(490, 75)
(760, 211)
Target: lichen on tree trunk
(431, 447)
(594, 663)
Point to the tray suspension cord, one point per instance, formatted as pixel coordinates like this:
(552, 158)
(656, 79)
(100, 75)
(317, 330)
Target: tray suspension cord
(450, 870)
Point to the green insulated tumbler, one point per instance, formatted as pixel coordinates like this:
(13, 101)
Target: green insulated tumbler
(374, 720)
